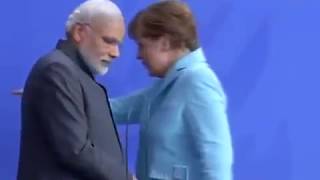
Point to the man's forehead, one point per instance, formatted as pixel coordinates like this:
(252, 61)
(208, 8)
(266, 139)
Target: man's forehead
(108, 24)
(108, 21)
(116, 32)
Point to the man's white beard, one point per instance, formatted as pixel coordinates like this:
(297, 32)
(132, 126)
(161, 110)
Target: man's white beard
(92, 62)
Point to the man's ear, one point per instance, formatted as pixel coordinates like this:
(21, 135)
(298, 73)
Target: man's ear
(77, 33)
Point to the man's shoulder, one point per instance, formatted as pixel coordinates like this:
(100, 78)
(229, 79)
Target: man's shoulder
(55, 57)
(54, 64)
(54, 60)
(52, 67)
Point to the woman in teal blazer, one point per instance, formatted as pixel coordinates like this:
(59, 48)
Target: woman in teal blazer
(184, 131)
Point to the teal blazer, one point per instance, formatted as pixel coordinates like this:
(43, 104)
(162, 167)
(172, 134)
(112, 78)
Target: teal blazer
(184, 131)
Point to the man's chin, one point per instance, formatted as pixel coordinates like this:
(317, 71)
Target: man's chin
(103, 71)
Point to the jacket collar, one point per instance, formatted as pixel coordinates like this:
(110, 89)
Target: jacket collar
(70, 49)
(190, 60)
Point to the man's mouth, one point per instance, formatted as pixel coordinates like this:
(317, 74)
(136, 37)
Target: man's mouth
(105, 62)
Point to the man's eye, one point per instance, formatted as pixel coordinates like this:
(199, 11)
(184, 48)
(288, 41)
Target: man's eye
(108, 40)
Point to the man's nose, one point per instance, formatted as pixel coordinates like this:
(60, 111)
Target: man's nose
(115, 52)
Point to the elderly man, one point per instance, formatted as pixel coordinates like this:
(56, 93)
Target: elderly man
(67, 128)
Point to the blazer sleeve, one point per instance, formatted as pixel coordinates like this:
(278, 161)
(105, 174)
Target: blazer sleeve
(61, 110)
(206, 118)
(129, 109)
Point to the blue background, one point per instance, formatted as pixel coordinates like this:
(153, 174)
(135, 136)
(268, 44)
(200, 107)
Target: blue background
(266, 53)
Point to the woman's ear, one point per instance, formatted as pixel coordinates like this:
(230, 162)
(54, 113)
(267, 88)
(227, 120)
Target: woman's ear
(165, 43)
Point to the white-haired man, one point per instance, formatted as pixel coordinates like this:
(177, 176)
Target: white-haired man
(67, 128)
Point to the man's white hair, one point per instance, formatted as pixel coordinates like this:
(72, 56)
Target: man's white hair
(91, 9)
